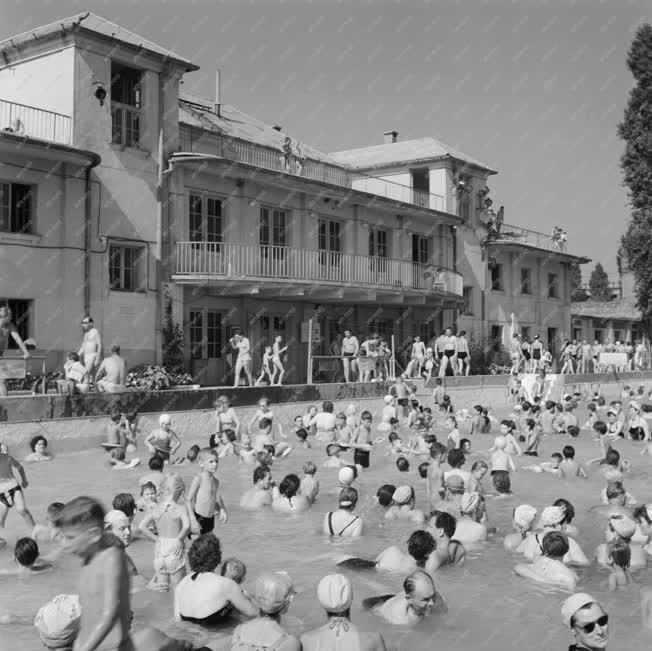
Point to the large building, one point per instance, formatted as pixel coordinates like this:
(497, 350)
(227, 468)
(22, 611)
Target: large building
(121, 195)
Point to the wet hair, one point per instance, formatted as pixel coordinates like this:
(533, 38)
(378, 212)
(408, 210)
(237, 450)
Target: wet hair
(402, 464)
(420, 545)
(289, 487)
(35, 440)
(26, 551)
(385, 494)
(569, 509)
(455, 458)
(502, 483)
(332, 449)
(235, 569)
(615, 489)
(423, 469)
(436, 450)
(568, 452)
(554, 544)
(328, 407)
(205, 554)
(260, 472)
(124, 502)
(612, 457)
(600, 427)
(156, 462)
(479, 464)
(620, 553)
(148, 485)
(348, 498)
(54, 509)
(81, 512)
(265, 423)
(445, 521)
(302, 435)
(118, 454)
(573, 430)
(309, 468)
(556, 455)
(193, 453)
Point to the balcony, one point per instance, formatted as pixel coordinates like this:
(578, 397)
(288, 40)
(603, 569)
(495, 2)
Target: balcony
(197, 261)
(35, 123)
(269, 158)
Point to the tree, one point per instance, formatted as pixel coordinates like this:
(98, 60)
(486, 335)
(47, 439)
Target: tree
(599, 284)
(577, 293)
(636, 164)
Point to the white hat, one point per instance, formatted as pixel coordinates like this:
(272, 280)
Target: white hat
(572, 605)
(335, 593)
(58, 621)
(346, 475)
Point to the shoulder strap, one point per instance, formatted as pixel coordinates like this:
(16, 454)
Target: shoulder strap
(330, 523)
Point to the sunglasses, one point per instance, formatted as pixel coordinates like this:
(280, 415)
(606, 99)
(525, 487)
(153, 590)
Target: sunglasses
(601, 621)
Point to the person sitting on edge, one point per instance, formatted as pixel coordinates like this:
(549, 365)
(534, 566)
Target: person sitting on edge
(403, 506)
(418, 600)
(469, 530)
(549, 568)
(335, 595)
(442, 526)
(523, 519)
(343, 523)
(260, 495)
(587, 621)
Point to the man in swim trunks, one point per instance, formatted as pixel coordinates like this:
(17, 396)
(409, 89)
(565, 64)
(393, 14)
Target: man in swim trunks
(350, 348)
(113, 373)
(91, 347)
(587, 621)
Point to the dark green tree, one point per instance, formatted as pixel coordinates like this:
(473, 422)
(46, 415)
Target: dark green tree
(577, 293)
(599, 284)
(636, 164)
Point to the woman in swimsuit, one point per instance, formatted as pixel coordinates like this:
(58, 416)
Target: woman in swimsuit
(204, 597)
(343, 523)
(276, 360)
(7, 330)
(463, 355)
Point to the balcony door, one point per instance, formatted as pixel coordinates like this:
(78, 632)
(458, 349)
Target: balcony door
(273, 243)
(330, 249)
(421, 254)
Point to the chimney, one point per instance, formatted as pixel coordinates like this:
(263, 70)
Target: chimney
(277, 127)
(390, 136)
(218, 99)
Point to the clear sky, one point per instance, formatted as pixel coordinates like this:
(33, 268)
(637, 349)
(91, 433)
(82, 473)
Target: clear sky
(534, 88)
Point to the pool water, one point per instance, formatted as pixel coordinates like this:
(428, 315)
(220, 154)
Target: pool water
(489, 606)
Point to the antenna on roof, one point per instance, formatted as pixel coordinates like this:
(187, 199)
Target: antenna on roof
(218, 103)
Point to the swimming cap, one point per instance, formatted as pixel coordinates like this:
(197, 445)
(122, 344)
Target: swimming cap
(469, 502)
(524, 516)
(58, 621)
(388, 399)
(346, 475)
(164, 419)
(572, 605)
(115, 518)
(499, 442)
(335, 593)
(454, 482)
(623, 526)
(551, 516)
(272, 591)
(403, 494)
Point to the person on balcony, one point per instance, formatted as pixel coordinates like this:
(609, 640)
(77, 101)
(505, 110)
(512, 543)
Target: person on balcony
(8, 330)
(243, 362)
(350, 348)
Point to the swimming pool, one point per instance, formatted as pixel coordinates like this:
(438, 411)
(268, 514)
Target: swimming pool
(489, 606)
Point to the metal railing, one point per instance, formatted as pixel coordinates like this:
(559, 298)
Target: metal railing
(35, 122)
(269, 158)
(533, 238)
(285, 263)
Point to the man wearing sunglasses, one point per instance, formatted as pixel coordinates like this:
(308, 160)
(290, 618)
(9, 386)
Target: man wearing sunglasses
(588, 622)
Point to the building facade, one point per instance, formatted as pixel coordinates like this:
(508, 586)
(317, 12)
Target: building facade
(123, 197)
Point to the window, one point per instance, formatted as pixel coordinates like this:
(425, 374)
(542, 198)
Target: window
(205, 218)
(126, 268)
(126, 96)
(468, 301)
(497, 278)
(553, 286)
(21, 312)
(495, 337)
(525, 281)
(205, 330)
(15, 208)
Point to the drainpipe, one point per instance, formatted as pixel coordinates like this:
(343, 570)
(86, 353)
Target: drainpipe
(87, 236)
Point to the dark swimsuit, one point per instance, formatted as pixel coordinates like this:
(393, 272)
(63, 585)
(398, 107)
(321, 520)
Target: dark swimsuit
(330, 525)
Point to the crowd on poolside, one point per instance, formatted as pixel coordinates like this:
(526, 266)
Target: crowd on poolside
(208, 590)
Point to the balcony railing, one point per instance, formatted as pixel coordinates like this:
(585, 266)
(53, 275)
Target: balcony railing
(245, 261)
(34, 122)
(509, 233)
(273, 159)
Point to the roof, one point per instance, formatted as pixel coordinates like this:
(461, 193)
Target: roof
(623, 309)
(402, 152)
(199, 112)
(89, 22)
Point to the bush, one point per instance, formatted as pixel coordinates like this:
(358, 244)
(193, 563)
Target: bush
(157, 378)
